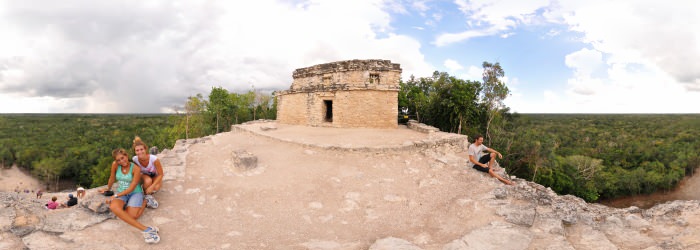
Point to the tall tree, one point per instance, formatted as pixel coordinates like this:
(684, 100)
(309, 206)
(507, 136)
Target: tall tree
(494, 91)
(219, 104)
(241, 106)
(413, 97)
(50, 170)
(194, 107)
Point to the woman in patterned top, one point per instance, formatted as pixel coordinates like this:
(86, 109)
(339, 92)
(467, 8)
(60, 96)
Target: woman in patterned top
(151, 171)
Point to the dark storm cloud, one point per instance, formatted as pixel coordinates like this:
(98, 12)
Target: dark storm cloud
(148, 56)
(127, 49)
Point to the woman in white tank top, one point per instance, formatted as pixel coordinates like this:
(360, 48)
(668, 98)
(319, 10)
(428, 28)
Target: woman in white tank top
(151, 171)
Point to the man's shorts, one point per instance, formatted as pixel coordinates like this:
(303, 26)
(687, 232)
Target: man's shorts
(485, 160)
(132, 199)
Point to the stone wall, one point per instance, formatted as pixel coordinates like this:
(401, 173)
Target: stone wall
(348, 74)
(357, 108)
(362, 93)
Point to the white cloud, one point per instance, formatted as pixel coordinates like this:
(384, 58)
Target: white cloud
(646, 48)
(452, 65)
(586, 86)
(420, 6)
(584, 61)
(149, 56)
(449, 38)
(474, 73)
(645, 32)
(492, 17)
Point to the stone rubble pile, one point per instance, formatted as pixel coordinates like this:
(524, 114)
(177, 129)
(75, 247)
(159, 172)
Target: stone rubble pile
(538, 218)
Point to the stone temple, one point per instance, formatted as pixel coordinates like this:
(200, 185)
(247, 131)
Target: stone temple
(354, 93)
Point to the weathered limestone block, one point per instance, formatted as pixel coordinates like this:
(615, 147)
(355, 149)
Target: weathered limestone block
(244, 160)
(493, 237)
(42, 240)
(10, 241)
(420, 127)
(71, 219)
(457, 244)
(269, 126)
(519, 215)
(95, 203)
(500, 193)
(7, 199)
(25, 224)
(672, 209)
(329, 245)
(585, 237)
(392, 243)
(550, 242)
(171, 161)
(548, 226)
(631, 239)
(636, 222)
(7, 215)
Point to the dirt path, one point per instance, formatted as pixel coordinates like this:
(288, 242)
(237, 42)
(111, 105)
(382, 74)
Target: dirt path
(13, 178)
(309, 198)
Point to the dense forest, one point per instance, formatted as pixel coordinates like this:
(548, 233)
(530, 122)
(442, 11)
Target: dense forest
(592, 156)
(75, 146)
(598, 156)
(587, 155)
(55, 147)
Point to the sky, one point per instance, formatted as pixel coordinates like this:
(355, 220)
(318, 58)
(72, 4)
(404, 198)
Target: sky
(589, 56)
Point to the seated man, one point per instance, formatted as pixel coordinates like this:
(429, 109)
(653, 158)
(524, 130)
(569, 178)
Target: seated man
(484, 162)
(72, 201)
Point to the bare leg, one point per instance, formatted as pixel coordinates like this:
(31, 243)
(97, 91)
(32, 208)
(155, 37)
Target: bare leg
(150, 185)
(155, 186)
(135, 212)
(141, 209)
(499, 177)
(147, 182)
(493, 159)
(117, 208)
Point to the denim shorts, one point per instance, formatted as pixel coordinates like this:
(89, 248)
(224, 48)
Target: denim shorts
(132, 199)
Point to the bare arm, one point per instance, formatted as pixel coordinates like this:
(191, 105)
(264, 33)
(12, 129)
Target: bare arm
(495, 152)
(159, 170)
(112, 177)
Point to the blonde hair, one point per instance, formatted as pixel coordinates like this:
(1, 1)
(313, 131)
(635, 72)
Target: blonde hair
(139, 142)
(119, 151)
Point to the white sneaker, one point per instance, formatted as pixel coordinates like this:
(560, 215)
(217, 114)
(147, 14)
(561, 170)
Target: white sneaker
(150, 235)
(151, 201)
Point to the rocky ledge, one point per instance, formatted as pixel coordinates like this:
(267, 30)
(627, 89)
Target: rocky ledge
(534, 217)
